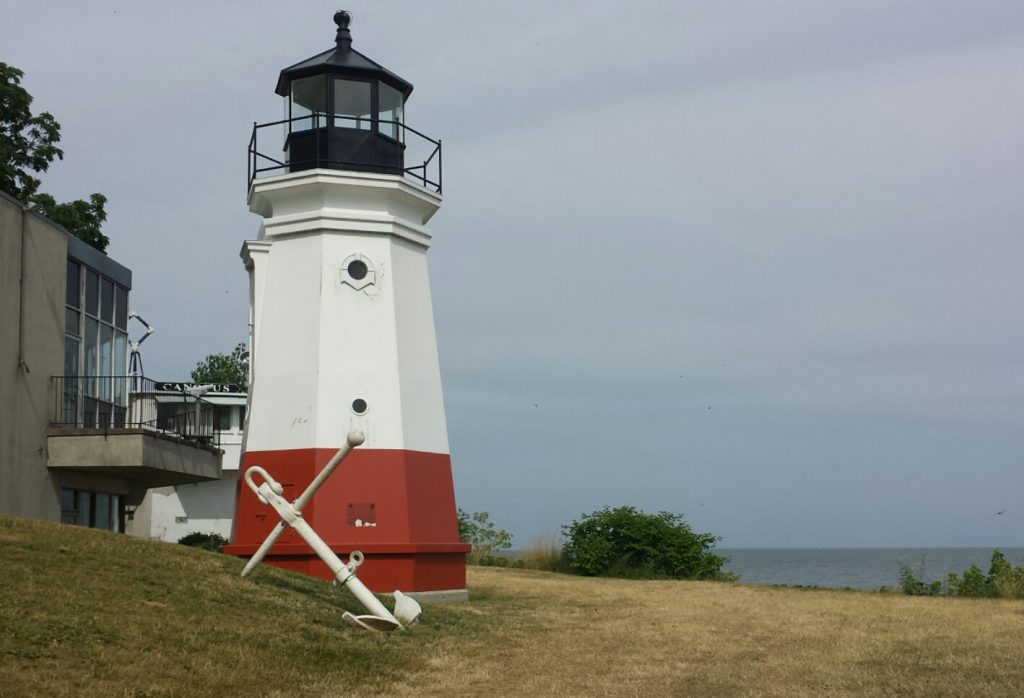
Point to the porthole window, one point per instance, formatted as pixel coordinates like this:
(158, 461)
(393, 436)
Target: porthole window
(359, 272)
(359, 406)
(357, 269)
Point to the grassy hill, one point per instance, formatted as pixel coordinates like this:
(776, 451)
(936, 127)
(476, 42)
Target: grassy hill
(86, 612)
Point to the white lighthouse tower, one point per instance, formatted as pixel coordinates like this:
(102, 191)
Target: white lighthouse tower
(343, 331)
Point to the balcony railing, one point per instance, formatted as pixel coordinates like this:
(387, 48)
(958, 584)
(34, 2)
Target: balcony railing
(340, 142)
(130, 402)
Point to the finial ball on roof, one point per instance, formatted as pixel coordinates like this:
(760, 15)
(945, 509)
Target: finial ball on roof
(342, 19)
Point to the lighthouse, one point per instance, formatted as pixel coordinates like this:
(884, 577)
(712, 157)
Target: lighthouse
(342, 330)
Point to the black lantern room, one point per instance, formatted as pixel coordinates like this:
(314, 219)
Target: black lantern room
(343, 110)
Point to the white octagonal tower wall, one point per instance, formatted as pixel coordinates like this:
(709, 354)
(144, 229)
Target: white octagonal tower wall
(284, 360)
(336, 339)
(358, 354)
(423, 419)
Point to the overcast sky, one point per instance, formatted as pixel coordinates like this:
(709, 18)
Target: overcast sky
(757, 262)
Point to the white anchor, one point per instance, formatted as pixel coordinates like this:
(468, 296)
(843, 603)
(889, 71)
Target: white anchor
(407, 610)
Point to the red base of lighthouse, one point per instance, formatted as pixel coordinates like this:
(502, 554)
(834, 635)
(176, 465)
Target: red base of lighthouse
(396, 507)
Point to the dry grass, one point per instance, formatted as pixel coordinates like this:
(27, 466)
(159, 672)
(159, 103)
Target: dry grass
(88, 613)
(543, 553)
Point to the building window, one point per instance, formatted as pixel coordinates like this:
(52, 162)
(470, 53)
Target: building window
(92, 509)
(222, 417)
(95, 390)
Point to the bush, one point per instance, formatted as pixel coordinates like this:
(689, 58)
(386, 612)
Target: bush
(478, 530)
(912, 583)
(207, 541)
(625, 542)
(1002, 581)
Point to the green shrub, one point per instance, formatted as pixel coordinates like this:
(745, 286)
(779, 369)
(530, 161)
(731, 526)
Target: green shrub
(912, 583)
(207, 541)
(625, 542)
(1002, 581)
(478, 530)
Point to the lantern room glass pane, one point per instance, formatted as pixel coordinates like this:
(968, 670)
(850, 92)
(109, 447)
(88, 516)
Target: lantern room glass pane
(352, 104)
(309, 101)
(390, 112)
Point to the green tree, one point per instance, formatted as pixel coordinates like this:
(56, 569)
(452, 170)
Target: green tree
(81, 218)
(626, 542)
(28, 144)
(224, 368)
(478, 530)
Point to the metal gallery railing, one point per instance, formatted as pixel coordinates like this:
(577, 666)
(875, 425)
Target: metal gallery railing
(271, 150)
(130, 402)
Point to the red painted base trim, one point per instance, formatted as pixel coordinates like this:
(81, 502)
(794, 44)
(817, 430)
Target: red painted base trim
(396, 507)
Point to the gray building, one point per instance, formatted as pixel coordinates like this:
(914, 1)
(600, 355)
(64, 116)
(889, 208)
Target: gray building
(81, 440)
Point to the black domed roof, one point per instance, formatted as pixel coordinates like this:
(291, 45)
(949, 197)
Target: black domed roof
(341, 60)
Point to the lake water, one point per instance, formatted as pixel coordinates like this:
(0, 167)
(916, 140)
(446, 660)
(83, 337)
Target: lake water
(857, 568)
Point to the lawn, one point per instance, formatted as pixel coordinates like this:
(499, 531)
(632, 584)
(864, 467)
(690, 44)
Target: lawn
(86, 612)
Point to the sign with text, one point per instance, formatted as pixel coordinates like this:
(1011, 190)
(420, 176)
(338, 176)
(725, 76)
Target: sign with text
(213, 387)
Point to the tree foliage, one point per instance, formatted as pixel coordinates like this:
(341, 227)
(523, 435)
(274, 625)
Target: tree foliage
(224, 368)
(82, 218)
(479, 531)
(28, 144)
(1002, 581)
(626, 542)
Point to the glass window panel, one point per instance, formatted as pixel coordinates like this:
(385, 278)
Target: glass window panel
(69, 407)
(221, 417)
(107, 300)
(71, 319)
(104, 414)
(84, 507)
(89, 413)
(106, 367)
(92, 292)
(390, 111)
(115, 512)
(352, 104)
(102, 519)
(74, 285)
(67, 506)
(120, 367)
(309, 98)
(241, 417)
(71, 356)
(121, 306)
(91, 353)
(167, 416)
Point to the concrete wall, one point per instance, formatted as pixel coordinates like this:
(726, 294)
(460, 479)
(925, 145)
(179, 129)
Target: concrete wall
(38, 291)
(170, 513)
